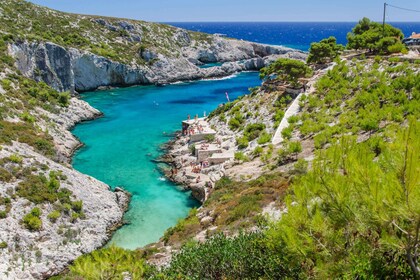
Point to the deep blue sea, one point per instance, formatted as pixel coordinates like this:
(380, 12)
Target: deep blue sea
(119, 147)
(297, 35)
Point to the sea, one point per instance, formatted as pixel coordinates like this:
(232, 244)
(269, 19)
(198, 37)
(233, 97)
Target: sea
(298, 35)
(120, 148)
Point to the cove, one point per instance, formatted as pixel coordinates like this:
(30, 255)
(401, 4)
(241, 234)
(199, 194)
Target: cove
(119, 147)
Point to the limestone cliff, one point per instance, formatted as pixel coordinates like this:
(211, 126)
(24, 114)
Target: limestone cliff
(71, 69)
(79, 53)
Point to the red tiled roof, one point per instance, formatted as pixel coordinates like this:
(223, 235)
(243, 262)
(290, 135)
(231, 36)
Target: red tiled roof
(415, 36)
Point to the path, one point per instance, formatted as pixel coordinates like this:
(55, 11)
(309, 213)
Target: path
(294, 107)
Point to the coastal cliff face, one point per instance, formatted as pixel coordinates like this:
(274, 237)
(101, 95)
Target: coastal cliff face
(76, 70)
(80, 53)
(38, 254)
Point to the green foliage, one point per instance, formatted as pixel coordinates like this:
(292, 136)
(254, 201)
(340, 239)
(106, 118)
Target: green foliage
(77, 206)
(264, 138)
(287, 132)
(242, 142)
(286, 69)
(3, 245)
(373, 37)
(192, 149)
(110, 263)
(54, 215)
(294, 147)
(356, 97)
(356, 213)
(210, 138)
(240, 156)
(220, 258)
(324, 51)
(257, 151)
(252, 131)
(26, 133)
(32, 221)
(236, 121)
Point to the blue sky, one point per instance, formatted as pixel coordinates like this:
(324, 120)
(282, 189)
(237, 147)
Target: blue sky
(238, 10)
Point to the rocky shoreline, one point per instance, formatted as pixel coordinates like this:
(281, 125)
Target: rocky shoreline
(49, 251)
(196, 162)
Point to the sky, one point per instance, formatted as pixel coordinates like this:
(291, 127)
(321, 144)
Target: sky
(239, 10)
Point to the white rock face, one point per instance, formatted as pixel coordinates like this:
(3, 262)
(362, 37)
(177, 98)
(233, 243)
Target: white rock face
(37, 255)
(77, 70)
(65, 142)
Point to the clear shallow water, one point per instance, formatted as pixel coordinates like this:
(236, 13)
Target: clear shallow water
(297, 35)
(119, 147)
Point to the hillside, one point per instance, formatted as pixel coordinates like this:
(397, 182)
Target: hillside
(79, 53)
(46, 56)
(337, 197)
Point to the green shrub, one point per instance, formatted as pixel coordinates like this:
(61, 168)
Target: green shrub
(210, 138)
(32, 221)
(257, 151)
(287, 132)
(241, 157)
(252, 131)
(77, 206)
(264, 138)
(3, 214)
(294, 147)
(192, 149)
(5, 175)
(63, 98)
(54, 215)
(242, 142)
(3, 245)
(223, 260)
(111, 263)
(15, 159)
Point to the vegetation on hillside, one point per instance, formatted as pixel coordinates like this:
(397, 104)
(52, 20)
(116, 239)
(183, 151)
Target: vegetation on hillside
(117, 39)
(324, 51)
(288, 70)
(372, 36)
(354, 215)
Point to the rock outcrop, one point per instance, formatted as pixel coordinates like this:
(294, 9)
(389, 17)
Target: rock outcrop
(40, 254)
(76, 70)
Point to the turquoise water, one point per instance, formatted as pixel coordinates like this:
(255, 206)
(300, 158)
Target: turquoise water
(119, 147)
(208, 65)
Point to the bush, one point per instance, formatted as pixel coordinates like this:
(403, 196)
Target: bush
(241, 157)
(287, 132)
(324, 51)
(77, 206)
(3, 245)
(209, 138)
(371, 36)
(286, 69)
(32, 221)
(54, 215)
(257, 151)
(294, 147)
(264, 138)
(252, 131)
(111, 263)
(242, 142)
(223, 260)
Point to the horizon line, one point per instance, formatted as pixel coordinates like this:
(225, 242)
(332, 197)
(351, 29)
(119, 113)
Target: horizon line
(289, 21)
